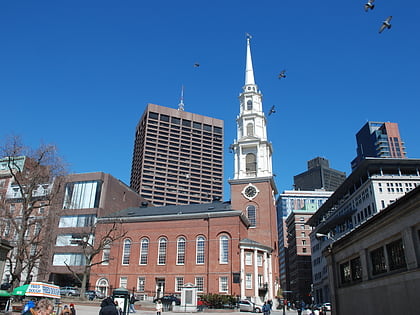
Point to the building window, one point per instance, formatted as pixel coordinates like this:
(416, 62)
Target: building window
(259, 260)
(252, 215)
(199, 283)
(144, 251)
(180, 257)
(200, 250)
(106, 252)
(249, 105)
(77, 221)
(248, 281)
(69, 259)
(82, 195)
(304, 250)
(179, 283)
(345, 272)
(162, 251)
(396, 255)
(123, 282)
(356, 269)
(250, 130)
(141, 283)
(126, 252)
(377, 258)
(224, 249)
(251, 163)
(223, 284)
(248, 259)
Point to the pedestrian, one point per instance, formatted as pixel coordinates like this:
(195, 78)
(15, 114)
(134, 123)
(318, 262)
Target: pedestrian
(72, 309)
(65, 310)
(42, 307)
(119, 309)
(266, 308)
(108, 307)
(27, 308)
(158, 307)
(132, 301)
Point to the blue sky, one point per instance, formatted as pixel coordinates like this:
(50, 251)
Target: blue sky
(80, 73)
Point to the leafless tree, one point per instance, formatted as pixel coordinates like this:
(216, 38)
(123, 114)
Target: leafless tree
(93, 245)
(33, 179)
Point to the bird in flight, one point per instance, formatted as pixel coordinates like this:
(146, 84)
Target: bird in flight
(271, 111)
(282, 74)
(196, 65)
(386, 24)
(369, 5)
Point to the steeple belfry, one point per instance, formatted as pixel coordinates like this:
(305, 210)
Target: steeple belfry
(252, 149)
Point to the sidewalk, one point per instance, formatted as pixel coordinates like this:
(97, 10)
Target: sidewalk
(93, 309)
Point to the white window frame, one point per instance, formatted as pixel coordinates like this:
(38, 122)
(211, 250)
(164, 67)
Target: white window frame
(223, 284)
(144, 251)
(181, 244)
(248, 281)
(163, 243)
(248, 259)
(224, 249)
(200, 250)
(126, 252)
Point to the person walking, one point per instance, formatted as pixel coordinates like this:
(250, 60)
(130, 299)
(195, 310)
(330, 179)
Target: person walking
(108, 307)
(132, 301)
(66, 310)
(266, 308)
(72, 309)
(158, 307)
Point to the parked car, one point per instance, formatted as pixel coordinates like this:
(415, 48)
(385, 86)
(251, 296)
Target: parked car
(168, 299)
(69, 291)
(248, 306)
(326, 306)
(92, 294)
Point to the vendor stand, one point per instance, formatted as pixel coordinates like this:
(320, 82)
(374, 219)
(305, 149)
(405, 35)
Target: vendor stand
(36, 291)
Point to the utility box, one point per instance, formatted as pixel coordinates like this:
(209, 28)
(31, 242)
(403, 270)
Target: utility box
(122, 297)
(188, 298)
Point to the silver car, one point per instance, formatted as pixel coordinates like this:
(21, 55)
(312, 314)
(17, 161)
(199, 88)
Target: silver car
(248, 306)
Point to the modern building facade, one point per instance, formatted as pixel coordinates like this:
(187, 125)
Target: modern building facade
(319, 176)
(178, 157)
(375, 269)
(374, 185)
(379, 139)
(299, 201)
(83, 199)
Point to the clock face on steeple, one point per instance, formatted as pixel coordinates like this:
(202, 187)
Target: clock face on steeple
(250, 191)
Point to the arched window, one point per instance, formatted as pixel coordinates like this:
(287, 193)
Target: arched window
(180, 248)
(249, 105)
(102, 286)
(251, 163)
(251, 212)
(224, 249)
(105, 252)
(250, 129)
(200, 250)
(162, 251)
(126, 252)
(144, 251)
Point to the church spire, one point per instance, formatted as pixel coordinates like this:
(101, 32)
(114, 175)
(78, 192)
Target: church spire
(249, 72)
(181, 102)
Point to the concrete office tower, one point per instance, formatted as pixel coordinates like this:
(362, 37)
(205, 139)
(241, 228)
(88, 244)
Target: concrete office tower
(178, 157)
(379, 139)
(319, 176)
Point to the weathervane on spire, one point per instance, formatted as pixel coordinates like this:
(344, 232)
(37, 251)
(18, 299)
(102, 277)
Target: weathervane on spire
(248, 36)
(181, 102)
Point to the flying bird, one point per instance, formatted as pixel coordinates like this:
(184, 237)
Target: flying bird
(196, 65)
(271, 111)
(369, 5)
(386, 24)
(282, 74)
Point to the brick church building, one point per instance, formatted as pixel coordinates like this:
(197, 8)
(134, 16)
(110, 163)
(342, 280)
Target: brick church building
(221, 247)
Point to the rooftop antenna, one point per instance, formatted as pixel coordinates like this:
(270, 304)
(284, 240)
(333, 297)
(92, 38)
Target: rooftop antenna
(181, 102)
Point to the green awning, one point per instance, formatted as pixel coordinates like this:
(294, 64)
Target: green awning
(4, 293)
(20, 290)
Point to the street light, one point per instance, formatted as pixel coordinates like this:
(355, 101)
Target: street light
(319, 235)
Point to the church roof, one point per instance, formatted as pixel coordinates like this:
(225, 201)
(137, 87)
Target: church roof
(174, 212)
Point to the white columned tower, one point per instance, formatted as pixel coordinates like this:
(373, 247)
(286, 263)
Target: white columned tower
(251, 148)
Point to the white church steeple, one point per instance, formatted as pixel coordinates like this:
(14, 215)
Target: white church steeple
(252, 149)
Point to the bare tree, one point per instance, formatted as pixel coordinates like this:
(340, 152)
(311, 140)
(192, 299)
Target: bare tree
(33, 181)
(92, 248)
